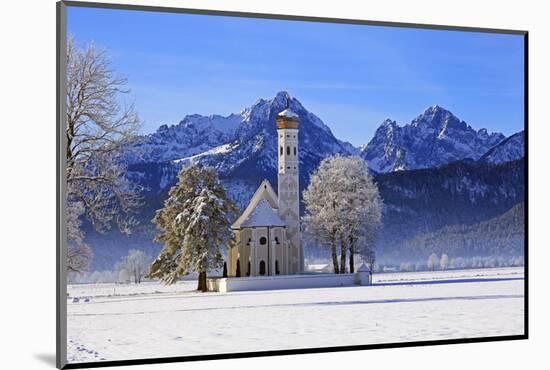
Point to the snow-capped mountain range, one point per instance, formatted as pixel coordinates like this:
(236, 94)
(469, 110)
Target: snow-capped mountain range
(422, 190)
(509, 149)
(199, 137)
(243, 146)
(433, 138)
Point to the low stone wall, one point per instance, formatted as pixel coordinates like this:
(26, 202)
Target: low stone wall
(301, 281)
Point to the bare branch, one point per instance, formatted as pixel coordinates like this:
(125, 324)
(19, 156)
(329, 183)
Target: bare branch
(98, 128)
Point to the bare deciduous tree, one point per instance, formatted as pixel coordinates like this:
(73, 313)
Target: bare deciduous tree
(99, 124)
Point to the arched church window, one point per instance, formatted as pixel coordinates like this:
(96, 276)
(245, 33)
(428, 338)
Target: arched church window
(294, 150)
(238, 270)
(281, 150)
(262, 267)
(287, 150)
(277, 272)
(277, 240)
(263, 240)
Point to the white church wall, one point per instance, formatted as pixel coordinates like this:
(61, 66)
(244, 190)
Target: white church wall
(282, 282)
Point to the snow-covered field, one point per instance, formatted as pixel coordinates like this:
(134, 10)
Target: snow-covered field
(111, 322)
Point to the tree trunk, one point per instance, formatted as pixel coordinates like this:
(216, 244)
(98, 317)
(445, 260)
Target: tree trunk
(199, 282)
(351, 253)
(334, 254)
(342, 255)
(204, 284)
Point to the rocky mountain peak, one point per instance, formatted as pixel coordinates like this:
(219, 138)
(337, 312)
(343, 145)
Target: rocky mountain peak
(433, 138)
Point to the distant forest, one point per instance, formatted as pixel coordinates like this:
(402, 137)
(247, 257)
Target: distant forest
(502, 235)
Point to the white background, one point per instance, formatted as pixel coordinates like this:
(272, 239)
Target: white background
(27, 203)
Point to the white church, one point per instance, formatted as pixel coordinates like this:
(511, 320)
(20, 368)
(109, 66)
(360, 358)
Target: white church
(268, 231)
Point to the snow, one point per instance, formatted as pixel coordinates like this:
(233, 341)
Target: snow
(222, 149)
(400, 307)
(263, 216)
(117, 290)
(288, 113)
(434, 138)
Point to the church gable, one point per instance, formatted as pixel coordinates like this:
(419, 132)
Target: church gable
(264, 191)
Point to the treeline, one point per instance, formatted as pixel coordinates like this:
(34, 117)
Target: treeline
(459, 263)
(460, 193)
(130, 269)
(499, 236)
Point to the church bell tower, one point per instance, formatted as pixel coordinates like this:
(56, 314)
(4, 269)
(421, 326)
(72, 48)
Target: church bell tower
(288, 185)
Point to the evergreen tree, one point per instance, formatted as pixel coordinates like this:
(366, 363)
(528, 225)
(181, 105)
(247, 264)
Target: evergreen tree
(194, 224)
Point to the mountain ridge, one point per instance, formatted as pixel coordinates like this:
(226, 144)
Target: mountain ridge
(243, 148)
(433, 138)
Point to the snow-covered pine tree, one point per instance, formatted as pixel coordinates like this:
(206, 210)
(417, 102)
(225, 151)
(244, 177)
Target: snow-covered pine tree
(194, 224)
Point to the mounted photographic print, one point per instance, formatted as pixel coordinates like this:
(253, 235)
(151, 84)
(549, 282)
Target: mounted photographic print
(235, 184)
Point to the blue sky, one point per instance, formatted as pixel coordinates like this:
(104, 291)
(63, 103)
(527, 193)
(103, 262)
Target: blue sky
(351, 76)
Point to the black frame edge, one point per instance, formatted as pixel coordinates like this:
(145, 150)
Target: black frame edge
(526, 182)
(61, 261)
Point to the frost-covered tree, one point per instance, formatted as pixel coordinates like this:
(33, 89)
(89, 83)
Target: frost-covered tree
(79, 253)
(134, 265)
(369, 257)
(193, 226)
(343, 207)
(322, 209)
(433, 261)
(444, 261)
(518, 261)
(98, 125)
(123, 275)
(362, 209)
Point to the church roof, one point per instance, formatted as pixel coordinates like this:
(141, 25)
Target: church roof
(263, 216)
(264, 192)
